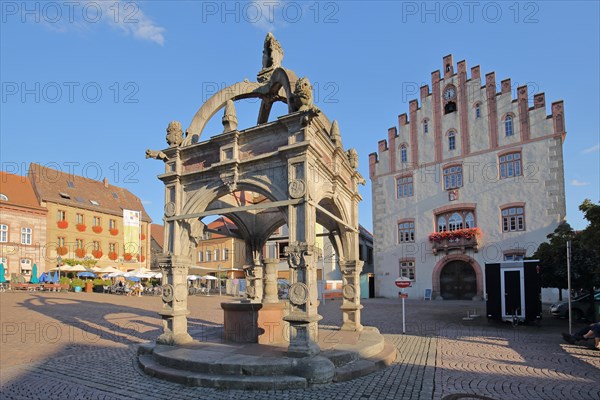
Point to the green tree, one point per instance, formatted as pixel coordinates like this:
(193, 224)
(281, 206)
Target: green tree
(585, 254)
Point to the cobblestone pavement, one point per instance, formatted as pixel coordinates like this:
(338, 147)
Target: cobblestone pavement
(82, 346)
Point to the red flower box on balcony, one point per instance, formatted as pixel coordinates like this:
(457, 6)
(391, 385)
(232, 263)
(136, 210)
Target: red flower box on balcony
(62, 224)
(113, 256)
(460, 239)
(97, 253)
(114, 231)
(142, 258)
(62, 250)
(97, 229)
(127, 256)
(81, 227)
(80, 253)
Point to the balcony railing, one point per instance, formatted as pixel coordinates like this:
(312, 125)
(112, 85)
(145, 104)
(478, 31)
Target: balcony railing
(461, 239)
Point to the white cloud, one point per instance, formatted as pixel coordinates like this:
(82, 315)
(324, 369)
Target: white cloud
(577, 182)
(592, 149)
(125, 15)
(132, 20)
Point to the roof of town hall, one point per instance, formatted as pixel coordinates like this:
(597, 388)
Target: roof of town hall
(18, 191)
(56, 186)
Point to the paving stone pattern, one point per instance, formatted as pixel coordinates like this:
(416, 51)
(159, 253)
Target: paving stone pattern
(440, 356)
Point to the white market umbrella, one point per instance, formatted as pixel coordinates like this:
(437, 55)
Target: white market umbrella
(158, 275)
(209, 277)
(193, 277)
(78, 268)
(116, 274)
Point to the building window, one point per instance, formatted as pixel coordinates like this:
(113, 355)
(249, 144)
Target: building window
(406, 231)
(61, 215)
(403, 154)
(508, 125)
(112, 247)
(454, 220)
(112, 224)
(3, 233)
(453, 177)
(407, 269)
(225, 254)
(369, 255)
(78, 243)
(510, 165)
(25, 266)
(97, 221)
(61, 241)
(477, 110)
(514, 256)
(79, 218)
(216, 255)
(96, 245)
(513, 219)
(26, 235)
(208, 255)
(404, 186)
(451, 141)
(425, 126)
(200, 256)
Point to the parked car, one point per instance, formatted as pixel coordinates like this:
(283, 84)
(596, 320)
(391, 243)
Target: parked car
(580, 306)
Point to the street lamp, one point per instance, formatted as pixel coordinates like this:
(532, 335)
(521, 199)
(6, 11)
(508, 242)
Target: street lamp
(59, 261)
(219, 275)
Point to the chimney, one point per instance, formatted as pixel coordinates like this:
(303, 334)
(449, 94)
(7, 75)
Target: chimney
(105, 181)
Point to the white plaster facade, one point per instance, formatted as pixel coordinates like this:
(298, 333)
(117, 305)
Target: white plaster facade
(480, 141)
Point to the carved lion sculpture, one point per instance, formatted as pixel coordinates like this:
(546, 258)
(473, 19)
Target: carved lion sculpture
(303, 99)
(174, 133)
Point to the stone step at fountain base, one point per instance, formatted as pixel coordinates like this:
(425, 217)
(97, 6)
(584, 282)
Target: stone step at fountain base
(345, 355)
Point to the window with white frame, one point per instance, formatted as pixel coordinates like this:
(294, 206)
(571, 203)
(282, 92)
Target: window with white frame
(514, 256)
(406, 231)
(208, 255)
(407, 269)
(454, 220)
(25, 266)
(200, 256)
(452, 141)
(26, 234)
(3, 233)
(510, 165)
(216, 254)
(61, 215)
(513, 219)
(404, 186)
(453, 177)
(508, 125)
(403, 154)
(225, 254)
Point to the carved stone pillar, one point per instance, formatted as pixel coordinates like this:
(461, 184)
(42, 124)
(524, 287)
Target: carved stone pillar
(174, 296)
(351, 295)
(303, 316)
(254, 279)
(270, 294)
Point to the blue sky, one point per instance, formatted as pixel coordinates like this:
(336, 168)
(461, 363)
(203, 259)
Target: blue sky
(88, 86)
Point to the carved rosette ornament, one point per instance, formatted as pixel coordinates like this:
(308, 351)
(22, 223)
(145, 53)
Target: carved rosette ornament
(167, 293)
(297, 188)
(349, 292)
(169, 209)
(298, 293)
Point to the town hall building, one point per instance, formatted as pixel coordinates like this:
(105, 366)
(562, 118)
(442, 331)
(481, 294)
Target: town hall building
(472, 175)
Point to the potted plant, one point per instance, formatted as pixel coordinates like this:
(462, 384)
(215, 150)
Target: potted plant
(81, 227)
(62, 250)
(97, 229)
(97, 253)
(114, 231)
(77, 284)
(127, 256)
(63, 224)
(80, 253)
(113, 256)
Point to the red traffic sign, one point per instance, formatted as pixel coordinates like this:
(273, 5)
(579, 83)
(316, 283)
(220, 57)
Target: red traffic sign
(403, 282)
(404, 295)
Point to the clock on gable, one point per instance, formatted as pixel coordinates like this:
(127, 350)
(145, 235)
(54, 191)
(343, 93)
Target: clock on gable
(449, 93)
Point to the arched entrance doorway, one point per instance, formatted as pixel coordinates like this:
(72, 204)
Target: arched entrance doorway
(458, 281)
